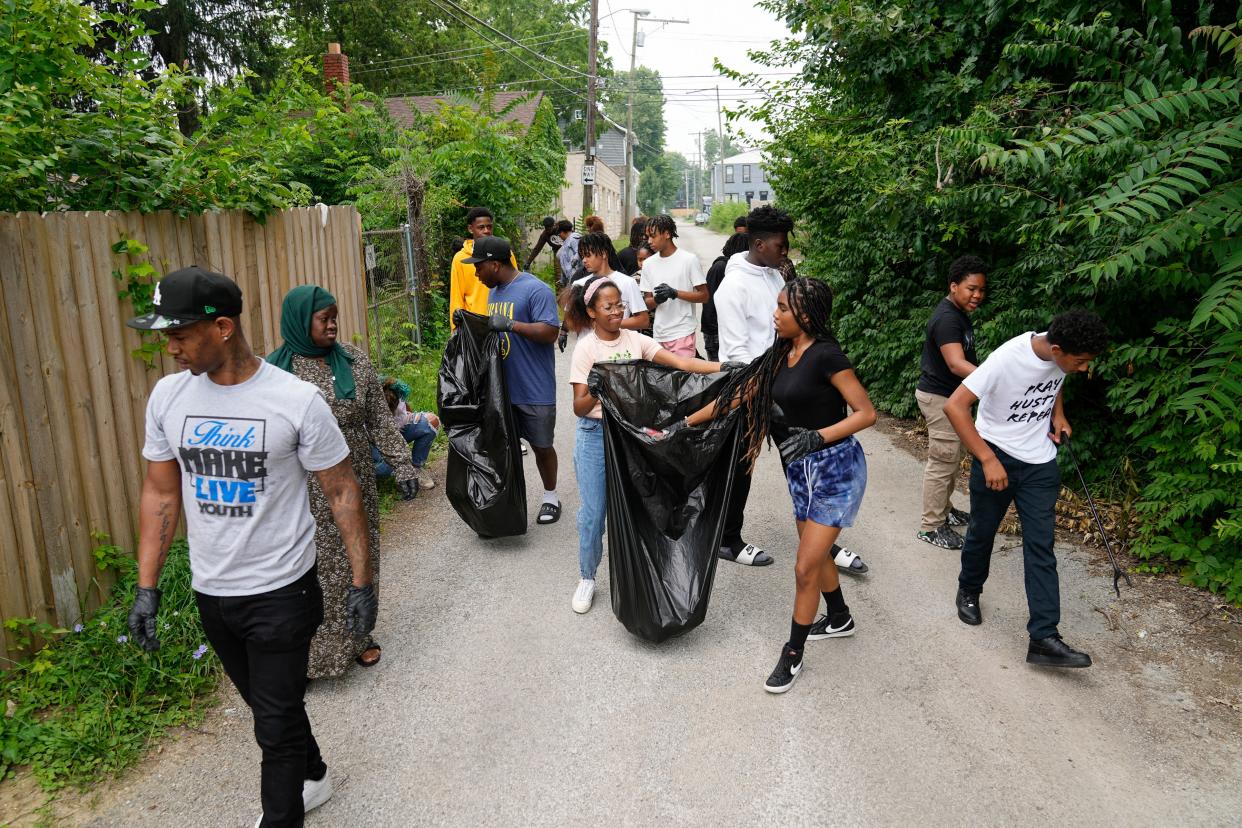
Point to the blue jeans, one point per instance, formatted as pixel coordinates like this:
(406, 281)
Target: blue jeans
(420, 436)
(1033, 488)
(592, 494)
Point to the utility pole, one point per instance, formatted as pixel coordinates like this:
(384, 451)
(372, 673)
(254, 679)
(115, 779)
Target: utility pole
(698, 169)
(588, 190)
(629, 109)
(720, 151)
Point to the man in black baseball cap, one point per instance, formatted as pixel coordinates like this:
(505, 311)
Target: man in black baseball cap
(190, 295)
(236, 461)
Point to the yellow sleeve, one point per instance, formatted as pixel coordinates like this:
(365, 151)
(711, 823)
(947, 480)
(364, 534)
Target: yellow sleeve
(456, 300)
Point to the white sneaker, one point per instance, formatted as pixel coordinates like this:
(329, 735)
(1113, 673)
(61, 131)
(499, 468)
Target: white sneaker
(584, 595)
(316, 792)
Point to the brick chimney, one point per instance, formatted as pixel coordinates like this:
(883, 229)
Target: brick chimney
(335, 69)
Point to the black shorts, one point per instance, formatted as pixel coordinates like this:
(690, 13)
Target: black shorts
(536, 424)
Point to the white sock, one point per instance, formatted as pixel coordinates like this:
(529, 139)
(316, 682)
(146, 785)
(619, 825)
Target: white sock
(550, 497)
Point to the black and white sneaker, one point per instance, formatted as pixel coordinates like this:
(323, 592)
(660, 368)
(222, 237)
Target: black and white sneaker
(958, 518)
(786, 671)
(840, 627)
(943, 536)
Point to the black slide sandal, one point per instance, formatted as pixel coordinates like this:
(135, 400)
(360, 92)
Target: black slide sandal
(551, 511)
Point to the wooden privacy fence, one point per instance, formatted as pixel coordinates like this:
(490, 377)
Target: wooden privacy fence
(73, 395)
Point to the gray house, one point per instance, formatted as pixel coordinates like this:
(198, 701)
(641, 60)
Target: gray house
(742, 178)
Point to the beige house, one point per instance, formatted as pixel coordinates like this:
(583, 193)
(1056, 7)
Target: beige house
(609, 186)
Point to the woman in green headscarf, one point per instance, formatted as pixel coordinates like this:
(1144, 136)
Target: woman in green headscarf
(352, 388)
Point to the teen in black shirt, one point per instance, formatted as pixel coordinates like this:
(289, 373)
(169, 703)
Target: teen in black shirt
(948, 356)
(810, 378)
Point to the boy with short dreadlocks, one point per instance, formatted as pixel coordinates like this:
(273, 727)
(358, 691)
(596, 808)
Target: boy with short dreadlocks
(673, 280)
(810, 378)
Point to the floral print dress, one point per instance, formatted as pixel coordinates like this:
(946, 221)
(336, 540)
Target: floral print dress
(363, 420)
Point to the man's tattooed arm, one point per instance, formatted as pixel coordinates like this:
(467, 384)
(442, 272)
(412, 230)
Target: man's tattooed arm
(158, 513)
(340, 487)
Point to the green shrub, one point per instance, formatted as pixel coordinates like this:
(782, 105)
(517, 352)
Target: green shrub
(1091, 156)
(723, 215)
(90, 701)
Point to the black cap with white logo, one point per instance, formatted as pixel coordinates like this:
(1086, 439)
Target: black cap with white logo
(490, 249)
(190, 295)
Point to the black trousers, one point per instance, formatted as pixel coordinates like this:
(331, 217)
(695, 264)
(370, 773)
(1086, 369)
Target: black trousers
(263, 642)
(1033, 488)
(735, 509)
(711, 343)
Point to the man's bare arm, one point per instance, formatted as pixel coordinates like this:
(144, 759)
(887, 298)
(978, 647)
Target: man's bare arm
(340, 487)
(159, 509)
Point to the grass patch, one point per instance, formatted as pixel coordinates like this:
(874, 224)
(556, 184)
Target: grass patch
(723, 215)
(90, 702)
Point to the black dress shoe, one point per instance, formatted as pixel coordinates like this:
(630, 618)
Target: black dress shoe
(968, 607)
(1053, 652)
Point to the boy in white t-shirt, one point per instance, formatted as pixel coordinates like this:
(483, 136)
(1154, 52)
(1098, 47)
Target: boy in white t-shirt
(1014, 441)
(673, 279)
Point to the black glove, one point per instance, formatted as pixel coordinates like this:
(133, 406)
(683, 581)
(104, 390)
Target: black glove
(800, 443)
(408, 489)
(500, 323)
(733, 366)
(361, 608)
(595, 385)
(663, 293)
(142, 618)
(563, 339)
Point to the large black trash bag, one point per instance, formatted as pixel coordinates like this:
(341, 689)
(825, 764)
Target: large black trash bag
(485, 483)
(666, 498)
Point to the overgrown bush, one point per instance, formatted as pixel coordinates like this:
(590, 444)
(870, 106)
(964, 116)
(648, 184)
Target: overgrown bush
(723, 215)
(89, 702)
(1091, 157)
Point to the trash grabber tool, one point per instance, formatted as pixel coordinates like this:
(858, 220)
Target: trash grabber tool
(1118, 574)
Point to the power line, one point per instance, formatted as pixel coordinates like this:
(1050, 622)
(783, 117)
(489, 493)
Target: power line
(491, 28)
(454, 55)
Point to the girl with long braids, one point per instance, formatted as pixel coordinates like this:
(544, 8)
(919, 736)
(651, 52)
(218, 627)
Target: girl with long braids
(596, 311)
(809, 378)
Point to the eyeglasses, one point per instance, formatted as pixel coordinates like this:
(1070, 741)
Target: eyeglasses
(621, 306)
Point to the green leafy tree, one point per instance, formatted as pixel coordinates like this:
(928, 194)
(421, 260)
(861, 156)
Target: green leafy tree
(1091, 157)
(649, 125)
(661, 185)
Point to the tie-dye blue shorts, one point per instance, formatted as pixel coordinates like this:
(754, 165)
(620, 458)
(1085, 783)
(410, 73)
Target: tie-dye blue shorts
(827, 486)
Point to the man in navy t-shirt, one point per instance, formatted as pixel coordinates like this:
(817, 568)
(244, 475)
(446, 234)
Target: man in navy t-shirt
(523, 310)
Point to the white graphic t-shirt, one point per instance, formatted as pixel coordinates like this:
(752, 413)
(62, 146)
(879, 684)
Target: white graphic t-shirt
(1017, 391)
(681, 271)
(244, 451)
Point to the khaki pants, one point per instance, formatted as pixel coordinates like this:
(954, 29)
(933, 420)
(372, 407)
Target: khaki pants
(944, 457)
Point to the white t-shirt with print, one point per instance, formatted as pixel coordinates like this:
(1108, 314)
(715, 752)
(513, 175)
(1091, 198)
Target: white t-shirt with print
(591, 349)
(681, 271)
(630, 294)
(1017, 391)
(244, 451)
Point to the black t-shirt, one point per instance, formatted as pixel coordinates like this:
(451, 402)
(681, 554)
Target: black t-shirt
(629, 260)
(715, 275)
(948, 323)
(805, 392)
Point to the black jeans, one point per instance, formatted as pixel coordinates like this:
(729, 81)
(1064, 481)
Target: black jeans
(735, 509)
(264, 643)
(1033, 488)
(711, 343)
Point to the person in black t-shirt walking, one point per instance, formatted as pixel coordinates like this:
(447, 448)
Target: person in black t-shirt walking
(948, 357)
(807, 375)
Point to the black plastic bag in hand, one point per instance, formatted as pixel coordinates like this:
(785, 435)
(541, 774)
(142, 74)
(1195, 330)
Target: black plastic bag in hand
(484, 484)
(666, 494)
(800, 443)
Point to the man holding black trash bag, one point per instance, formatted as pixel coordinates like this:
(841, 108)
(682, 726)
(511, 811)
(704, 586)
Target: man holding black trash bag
(231, 438)
(523, 310)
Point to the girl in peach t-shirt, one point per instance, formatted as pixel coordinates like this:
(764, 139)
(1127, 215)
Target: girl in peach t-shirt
(595, 312)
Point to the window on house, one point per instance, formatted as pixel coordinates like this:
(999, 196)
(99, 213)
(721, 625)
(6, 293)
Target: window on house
(746, 173)
(763, 195)
(728, 173)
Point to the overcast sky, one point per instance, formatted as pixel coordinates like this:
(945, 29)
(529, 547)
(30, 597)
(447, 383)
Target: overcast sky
(724, 29)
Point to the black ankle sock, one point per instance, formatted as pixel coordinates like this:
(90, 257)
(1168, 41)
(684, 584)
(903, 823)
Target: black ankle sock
(797, 635)
(835, 602)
